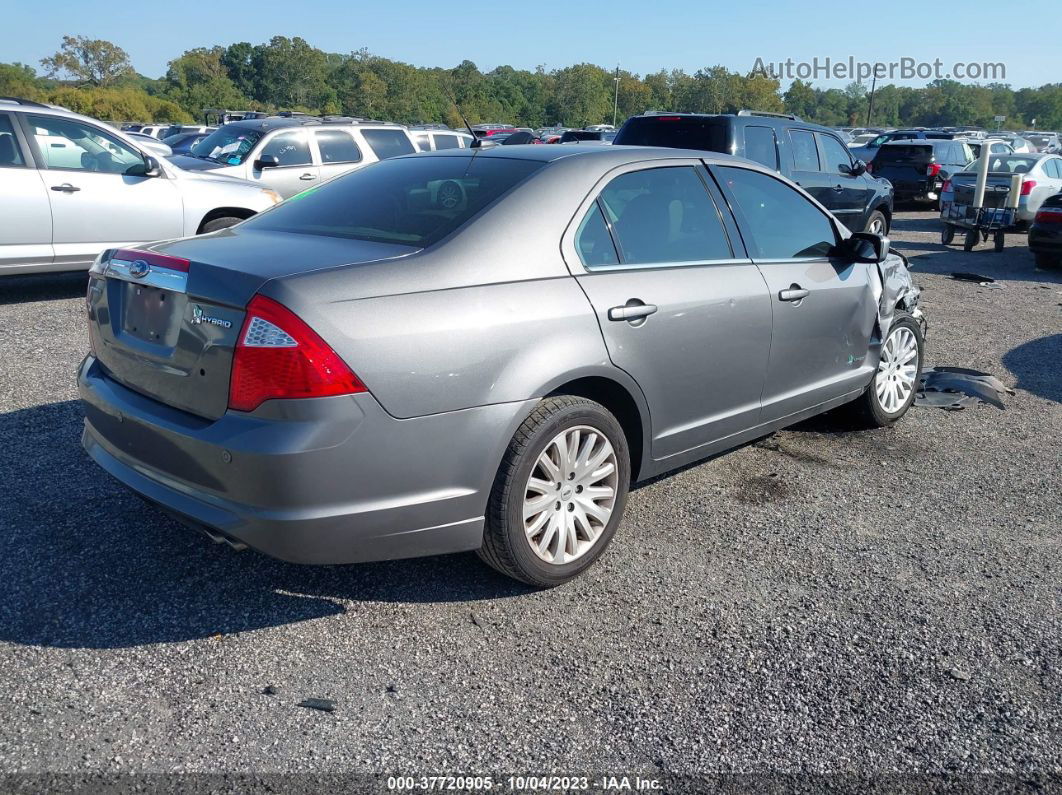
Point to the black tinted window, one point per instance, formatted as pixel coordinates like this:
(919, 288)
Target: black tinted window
(679, 132)
(805, 153)
(290, 148)
(337, 147)
(388, 143)
(414, 202)
(904, 153)
(10, 152)
(594, 242)
(664, 215)
(783, 223)
(760, 146)
(836, 154)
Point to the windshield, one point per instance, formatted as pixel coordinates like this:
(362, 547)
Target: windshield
(412, 201)
(229, 145)
(1009, 164)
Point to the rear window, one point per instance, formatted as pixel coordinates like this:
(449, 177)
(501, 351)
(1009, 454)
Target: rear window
(413, 201)
(1010, 164)
(904, 153)
(679, 132)
(388, 143)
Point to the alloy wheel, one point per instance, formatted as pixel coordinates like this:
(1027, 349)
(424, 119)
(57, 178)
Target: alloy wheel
(897, 370)
(570, 495)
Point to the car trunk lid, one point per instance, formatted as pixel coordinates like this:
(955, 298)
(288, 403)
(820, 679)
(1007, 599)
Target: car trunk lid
(164, 321)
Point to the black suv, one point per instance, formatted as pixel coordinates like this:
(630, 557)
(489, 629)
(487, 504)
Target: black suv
(917, 169)
(810, 155)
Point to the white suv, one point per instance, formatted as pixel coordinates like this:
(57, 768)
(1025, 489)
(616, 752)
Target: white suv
(293, 153)
(71, 186)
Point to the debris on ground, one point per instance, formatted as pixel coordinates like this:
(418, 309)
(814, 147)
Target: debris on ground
(269, 690)
(955, 388)
(983, 281)
(323, 704)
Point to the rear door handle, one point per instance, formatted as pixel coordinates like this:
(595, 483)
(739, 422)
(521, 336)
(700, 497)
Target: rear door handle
(794, 293)
(66, 187)
(632, 312)
(308, 176)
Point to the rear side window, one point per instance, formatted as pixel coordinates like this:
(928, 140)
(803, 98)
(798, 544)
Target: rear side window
(593, 241)
(446, 142)
(664, 215)
(836, 155)
(10, 152)
(783, 224)
(761, 146)
(412, 201)
(388, 143)
(678, 132)
(337, 147)
(805, 153)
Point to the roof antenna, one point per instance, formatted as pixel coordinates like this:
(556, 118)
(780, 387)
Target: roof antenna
(477, 142)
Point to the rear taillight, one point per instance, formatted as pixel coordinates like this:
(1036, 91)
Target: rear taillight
(279, 356)
(1027, 186)
(933, 169)
(870, 167)
(946, 186)
(1049, 215)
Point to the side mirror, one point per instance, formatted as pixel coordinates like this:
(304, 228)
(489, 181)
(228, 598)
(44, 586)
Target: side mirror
(266, 161)
(149, 168)
(859, 168)
(864, 247)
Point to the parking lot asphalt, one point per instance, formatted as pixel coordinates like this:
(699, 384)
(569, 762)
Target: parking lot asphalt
(819, 601)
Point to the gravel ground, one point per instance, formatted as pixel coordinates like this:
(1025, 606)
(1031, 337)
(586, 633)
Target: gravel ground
(820, 601)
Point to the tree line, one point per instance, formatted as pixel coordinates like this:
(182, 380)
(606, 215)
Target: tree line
(95, 77)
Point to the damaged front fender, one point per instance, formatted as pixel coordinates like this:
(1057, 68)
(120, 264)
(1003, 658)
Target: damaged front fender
(896, 290)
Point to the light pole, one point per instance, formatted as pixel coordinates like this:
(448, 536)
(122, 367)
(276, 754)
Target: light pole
(615, 99)
(873, 85)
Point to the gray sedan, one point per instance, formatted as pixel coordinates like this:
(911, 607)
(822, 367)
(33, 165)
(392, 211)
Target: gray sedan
(483, 349)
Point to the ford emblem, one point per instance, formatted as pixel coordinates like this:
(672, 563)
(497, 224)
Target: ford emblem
(138, 269)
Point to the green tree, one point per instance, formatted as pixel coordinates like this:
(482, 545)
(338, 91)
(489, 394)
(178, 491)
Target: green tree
(19, 80)
(582, 95)
(94, 62)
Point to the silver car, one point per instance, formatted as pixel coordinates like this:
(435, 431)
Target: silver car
(293, 153)
(71, 186)
(375, 370)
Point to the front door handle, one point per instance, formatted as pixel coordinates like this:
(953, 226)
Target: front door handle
(794, 293)
(66, 187)
(631, 311)
(308, 176)
(838, 188)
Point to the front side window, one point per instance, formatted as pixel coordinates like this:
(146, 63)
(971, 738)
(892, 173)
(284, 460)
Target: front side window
(760, 145)
(838, 159)
(783, 224)
(337, 146)
(388, 143)
(805, 153)
(414, 201)
(290, 148)
(10, 152)
(71, 144)
(593, 241)
(664, 215)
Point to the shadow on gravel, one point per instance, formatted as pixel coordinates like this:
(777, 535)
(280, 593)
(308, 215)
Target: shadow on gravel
(1013, 264)
(928, 223)
(1036, 366)
(86, 564)
(42, 287)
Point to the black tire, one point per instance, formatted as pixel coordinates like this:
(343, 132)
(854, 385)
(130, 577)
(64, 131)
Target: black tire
(877, 217)
(215, 224)
(947, 234)
(999, 240)
(866, 410)
(1047, 260)
(971, 240)
(505, 545)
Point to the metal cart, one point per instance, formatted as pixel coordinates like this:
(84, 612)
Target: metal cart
(994, 219)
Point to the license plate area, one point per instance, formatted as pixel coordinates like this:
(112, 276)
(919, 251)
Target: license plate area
(151, 314)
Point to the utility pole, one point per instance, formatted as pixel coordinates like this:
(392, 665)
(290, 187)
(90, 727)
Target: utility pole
(870, 106)
(615, 99)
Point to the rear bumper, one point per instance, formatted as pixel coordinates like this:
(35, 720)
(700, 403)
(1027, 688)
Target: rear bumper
(326, 481)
